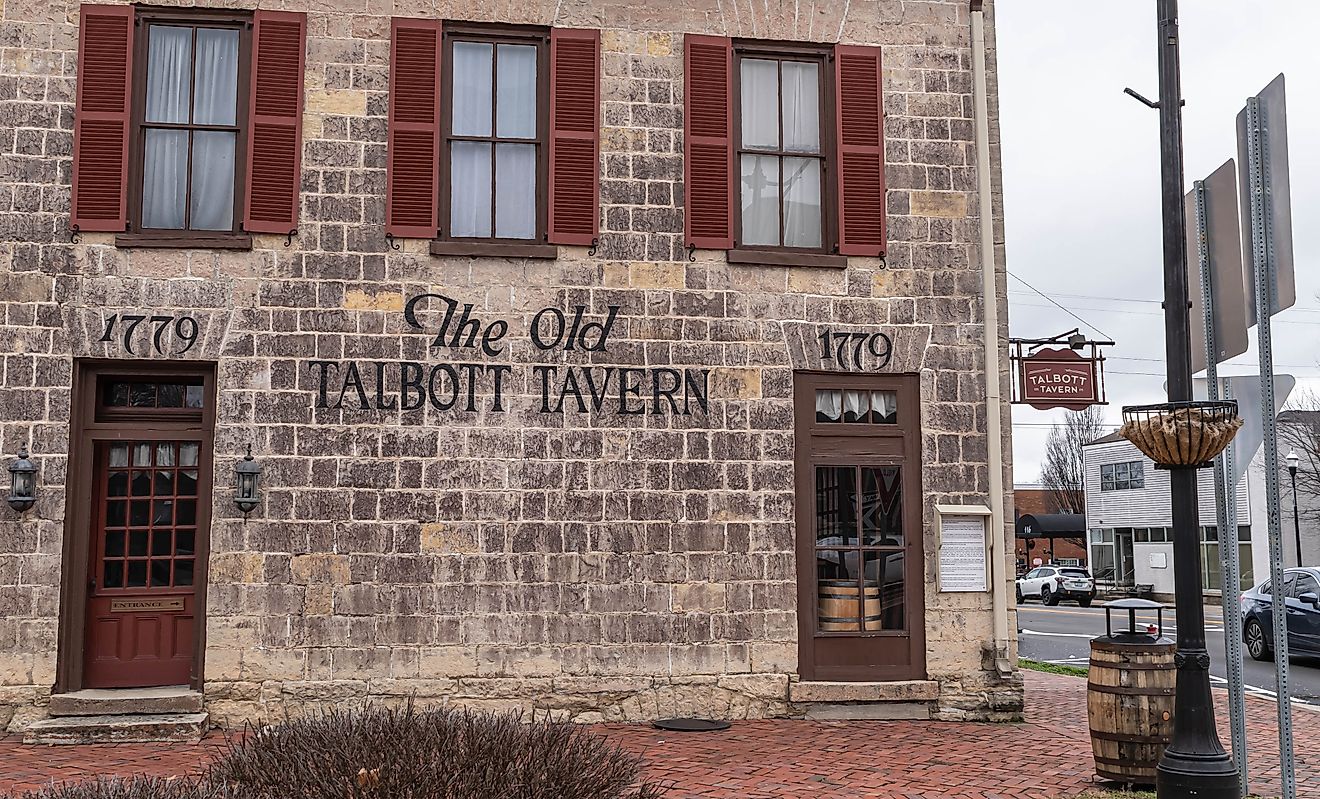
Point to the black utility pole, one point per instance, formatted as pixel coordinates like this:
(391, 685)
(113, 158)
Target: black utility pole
(1194, 763)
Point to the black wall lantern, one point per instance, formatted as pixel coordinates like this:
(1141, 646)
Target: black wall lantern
(22, 482)
(247, 484)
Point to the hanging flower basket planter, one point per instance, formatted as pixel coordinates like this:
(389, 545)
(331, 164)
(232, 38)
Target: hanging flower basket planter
(1181, 435)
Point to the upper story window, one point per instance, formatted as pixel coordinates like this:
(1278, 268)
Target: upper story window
(783, 150)
(174, 108)
(495, 132)
(188, 122)
(1122, 476)
(493, 137)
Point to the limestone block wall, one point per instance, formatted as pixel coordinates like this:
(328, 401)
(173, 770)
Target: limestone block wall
(589, 564)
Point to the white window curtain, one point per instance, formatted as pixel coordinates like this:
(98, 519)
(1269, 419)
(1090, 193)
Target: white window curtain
(829, 405)
(855, 406)
(172, 68)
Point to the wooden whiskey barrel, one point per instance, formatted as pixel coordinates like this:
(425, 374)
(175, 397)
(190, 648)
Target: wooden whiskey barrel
(837, 606)
(1129, 703)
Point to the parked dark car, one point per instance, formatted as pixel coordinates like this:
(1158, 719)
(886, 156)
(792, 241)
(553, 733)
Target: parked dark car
(1301, 592)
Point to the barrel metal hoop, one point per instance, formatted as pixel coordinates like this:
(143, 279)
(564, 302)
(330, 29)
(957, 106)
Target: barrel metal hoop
(1140, 649)
(1130, 738)
(1121, 763)
(1170, 666)
(1128, 690)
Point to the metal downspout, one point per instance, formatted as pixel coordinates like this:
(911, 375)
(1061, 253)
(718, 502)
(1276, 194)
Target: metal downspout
(990, 306)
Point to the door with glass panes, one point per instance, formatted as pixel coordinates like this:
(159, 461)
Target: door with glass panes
(859, 540)
(149, 505)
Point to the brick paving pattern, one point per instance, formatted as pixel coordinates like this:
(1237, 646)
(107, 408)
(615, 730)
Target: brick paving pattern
(1047, 757)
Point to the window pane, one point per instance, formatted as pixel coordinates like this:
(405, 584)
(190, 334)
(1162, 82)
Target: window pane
(882, 506)
(188, 453)
(829, 405)
(836, 505)
(856, 406)
(515, 107)
(760, 103)
(114, 574)
(169, 73)
(801, 106)
(884, 407)
(515, 191)
(802, 202)
(469, 182)
(164, 179)
(215, 97)
(141, 455)
(171, 395)
(183, 572)
(164, 453)
(137, 574)
(193, 397)
(212, 183)
(118, 454)
(472, 89)
(116, 512)
(885, 570)
(160, 573)
(760, 200)
(837, 594)
(114, 544)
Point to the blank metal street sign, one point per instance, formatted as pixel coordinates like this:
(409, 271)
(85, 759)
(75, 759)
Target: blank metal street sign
(1223, 248)
(1274, 121)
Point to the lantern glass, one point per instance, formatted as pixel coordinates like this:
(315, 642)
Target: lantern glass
(22, 483)
(247, 483)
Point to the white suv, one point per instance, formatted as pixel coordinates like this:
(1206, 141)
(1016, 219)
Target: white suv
(1053, 583)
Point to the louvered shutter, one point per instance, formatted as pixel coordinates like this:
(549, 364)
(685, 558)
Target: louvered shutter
(708, 140)
(101, 121)
(574, 135)
(861, 137)
(412, 190)
(274, 152)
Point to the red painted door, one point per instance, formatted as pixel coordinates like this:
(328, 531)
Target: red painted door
(141, 603)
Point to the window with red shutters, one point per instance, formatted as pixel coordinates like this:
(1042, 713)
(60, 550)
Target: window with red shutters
(574, 136)
(861, 149)
(708, 140)
(412, 190)
(101, 121)
(784, 149)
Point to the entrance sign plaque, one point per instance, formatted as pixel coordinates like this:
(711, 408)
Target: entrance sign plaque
(1058, 379)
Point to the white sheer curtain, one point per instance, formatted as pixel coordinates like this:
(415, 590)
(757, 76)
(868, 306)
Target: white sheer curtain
(800, 106)
(829, 405)
(165, 161)
(515, 164)
(469, 186)
(760, 116)
(855, 406)
(884, 407)
(172, 68)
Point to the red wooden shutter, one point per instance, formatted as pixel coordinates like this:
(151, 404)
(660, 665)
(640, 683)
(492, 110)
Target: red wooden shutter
(574, 135)
(412, 183)
(861, 138)
(101, 121)
(274, 153)
(708, 140)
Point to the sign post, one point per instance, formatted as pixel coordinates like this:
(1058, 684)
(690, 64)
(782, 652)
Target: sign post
(1263, 150)
(1213, 221)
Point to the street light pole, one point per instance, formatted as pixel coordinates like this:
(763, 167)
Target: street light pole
(1293, 460)
(1194, 763)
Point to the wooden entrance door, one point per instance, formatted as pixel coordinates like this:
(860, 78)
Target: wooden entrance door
(150, 465)
(859, 541)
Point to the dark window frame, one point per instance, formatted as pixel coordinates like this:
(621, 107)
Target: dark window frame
(1135, 476)
(495, 34)
(137, 236)
(105, 412)
(780, 255)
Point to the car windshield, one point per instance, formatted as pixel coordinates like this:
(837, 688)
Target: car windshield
(1074, 573)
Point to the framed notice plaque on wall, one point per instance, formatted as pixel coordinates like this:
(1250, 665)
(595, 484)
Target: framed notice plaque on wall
(963, 550)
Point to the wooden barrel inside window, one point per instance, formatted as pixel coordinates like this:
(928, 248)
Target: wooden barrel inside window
(838, 607)
(1129, 703)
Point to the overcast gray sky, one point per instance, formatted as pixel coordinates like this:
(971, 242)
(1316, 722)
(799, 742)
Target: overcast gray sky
(1081, 173)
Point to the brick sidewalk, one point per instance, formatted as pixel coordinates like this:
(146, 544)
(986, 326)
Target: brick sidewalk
(1048, 757)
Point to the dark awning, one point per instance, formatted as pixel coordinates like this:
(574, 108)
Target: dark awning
(1051, 525)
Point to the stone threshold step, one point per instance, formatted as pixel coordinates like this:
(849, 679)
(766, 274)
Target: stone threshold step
(117, 729)
(127, 701)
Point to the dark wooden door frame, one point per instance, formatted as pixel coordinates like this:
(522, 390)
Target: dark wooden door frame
(85, 429)
(907, 434)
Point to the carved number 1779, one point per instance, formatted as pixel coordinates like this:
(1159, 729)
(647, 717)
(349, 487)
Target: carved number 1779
(847, 350)
(184, 329)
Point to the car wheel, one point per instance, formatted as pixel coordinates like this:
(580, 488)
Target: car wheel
(1047, 596)
(1019, 594)
(1085, 601)
(1254, 635)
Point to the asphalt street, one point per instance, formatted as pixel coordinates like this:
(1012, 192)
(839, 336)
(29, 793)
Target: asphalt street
(1062, 635)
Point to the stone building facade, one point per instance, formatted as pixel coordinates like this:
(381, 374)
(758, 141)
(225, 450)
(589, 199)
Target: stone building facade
(575, 477)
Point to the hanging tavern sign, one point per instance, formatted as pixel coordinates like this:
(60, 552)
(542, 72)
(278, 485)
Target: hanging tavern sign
(1060, 377)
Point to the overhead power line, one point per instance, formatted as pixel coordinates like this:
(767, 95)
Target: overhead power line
(1050, 300)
